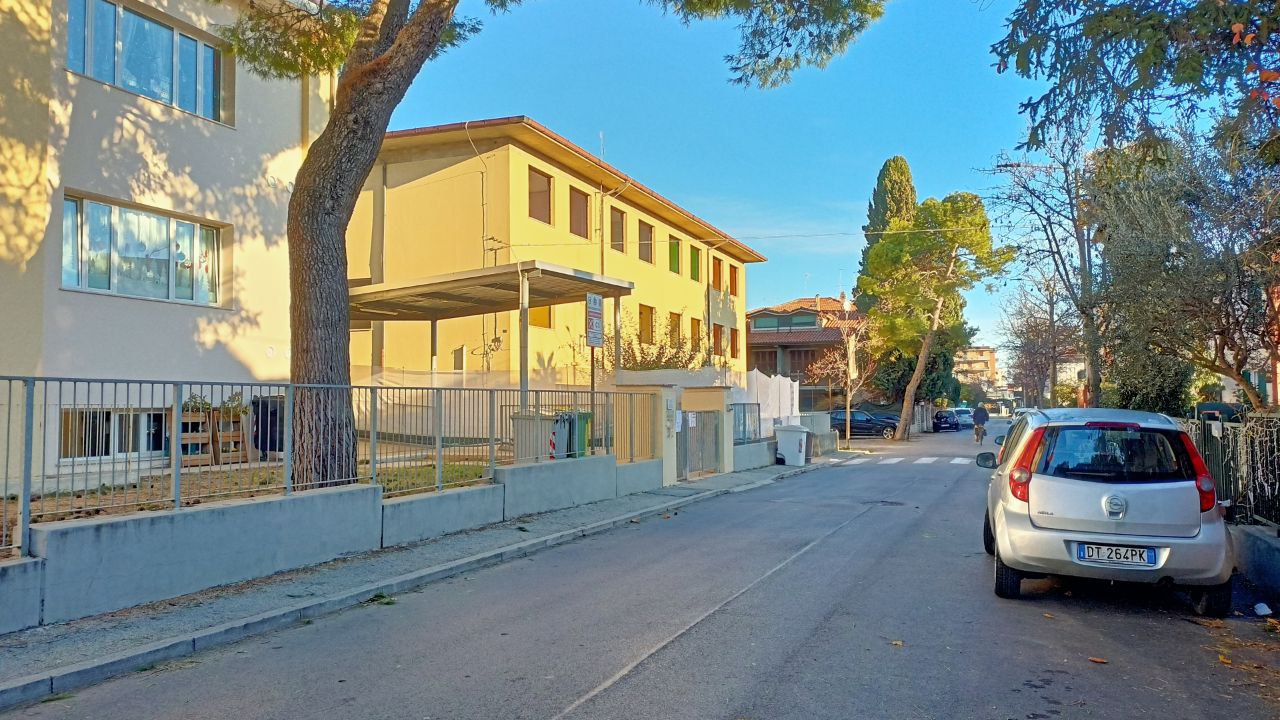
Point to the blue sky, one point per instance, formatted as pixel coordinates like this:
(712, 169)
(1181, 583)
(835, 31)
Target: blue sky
(799, 161)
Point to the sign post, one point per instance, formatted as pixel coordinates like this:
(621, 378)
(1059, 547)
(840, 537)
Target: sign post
(595, 339)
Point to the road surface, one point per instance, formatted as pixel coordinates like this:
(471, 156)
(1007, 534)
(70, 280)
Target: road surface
(859, 591)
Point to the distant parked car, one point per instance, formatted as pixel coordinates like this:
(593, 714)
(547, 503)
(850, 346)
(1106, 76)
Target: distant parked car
(946, 420)
(863, 423)
(965, 415)
(1107, 494)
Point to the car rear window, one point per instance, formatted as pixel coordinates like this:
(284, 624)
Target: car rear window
(1120, 455)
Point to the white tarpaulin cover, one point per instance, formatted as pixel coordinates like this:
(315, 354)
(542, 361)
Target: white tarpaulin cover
(777, 396)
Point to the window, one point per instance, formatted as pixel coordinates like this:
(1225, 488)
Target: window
(765, 323)
(540, 196)
(1115, 455)
(695, 332)
(733, 343)
(579, 211)
(717, 273)
(133, 51)
(673, 328)
(646, 325)
(646, 242)
(717, 339)
(617, 230)
(803, 321)
(137, 253)
(104, 433)
(673, 253)
(540, 317)
(695, 263)
(733, 280)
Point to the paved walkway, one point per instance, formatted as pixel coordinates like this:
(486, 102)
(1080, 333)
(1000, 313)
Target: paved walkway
(228, 613)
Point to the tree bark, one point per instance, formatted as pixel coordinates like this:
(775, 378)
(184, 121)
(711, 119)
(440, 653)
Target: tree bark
(1092, 359)
(909, 395)
(325, 192)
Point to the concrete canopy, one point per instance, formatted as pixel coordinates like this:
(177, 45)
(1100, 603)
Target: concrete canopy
(503, 288)
(480, 292)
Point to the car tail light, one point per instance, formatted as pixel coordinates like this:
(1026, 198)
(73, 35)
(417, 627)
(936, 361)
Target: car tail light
(1020, 475)
(1204, 479)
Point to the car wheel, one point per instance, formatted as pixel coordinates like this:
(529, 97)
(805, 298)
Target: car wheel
(1214, 601)
(988, 539)
(935, 427)
(1008, 581)
(887, 433)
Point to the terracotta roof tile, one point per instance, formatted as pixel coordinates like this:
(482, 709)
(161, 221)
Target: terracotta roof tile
(807, 336)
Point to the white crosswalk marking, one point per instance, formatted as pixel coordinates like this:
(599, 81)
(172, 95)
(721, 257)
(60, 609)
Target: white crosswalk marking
(925, 460)
(960, 461)
(859, 461)
(890, 461)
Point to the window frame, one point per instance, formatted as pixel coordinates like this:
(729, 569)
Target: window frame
(551, 196)
(695, 263)
(717, 274)
(733, 280)
(642, 243)
(734, 338)
(177, 31)
(111, 420)
(81, 244)
(645, 330)
(717, 339)
(618, 229)
(574, 194)
(675, 254)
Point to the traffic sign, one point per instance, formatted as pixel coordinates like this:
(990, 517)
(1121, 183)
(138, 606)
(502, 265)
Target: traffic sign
(595, 320)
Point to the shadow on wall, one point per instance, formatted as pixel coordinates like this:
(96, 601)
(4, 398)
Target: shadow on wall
(24, 130)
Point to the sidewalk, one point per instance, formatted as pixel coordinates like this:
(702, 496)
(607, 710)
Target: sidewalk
(51, 659)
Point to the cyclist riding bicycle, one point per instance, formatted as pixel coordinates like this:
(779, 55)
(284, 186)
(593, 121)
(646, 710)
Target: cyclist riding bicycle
(980, 418)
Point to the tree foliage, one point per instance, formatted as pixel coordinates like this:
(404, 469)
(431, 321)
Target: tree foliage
(892, 200)
(1041, 330)
(1191, 239)
(918, 273)
(1130, 63)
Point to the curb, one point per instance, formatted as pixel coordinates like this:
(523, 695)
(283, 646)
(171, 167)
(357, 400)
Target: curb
(67, 678)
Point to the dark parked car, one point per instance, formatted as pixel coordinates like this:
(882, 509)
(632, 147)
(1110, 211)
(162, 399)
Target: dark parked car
(891, 417)
(946, 420)
(863, 423)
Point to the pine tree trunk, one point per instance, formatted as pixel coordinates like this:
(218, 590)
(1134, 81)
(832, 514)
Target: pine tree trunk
(325, 192)
(1092, 359)
(909, 396)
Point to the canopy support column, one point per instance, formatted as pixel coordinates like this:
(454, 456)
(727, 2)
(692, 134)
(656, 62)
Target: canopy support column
(524, 341)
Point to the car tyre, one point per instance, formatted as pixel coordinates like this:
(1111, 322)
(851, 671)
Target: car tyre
(888, 433)
(1213, 601)
(988, 539)
(1008, 581)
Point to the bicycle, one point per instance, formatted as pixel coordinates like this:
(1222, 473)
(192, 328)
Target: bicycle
(979, 433)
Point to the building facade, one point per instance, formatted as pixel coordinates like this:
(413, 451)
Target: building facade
(787, 339)
(977, 366)
(144, 181)
(486, 193)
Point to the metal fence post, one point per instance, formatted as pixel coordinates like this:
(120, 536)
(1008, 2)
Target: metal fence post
(493, 432)
(28, 463)
(373, 434)
(631, 427)
(438, 396)
(537, 422)
(175, 445)
(289, 395)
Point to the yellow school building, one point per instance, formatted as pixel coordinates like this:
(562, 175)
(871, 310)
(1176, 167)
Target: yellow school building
(487, 193)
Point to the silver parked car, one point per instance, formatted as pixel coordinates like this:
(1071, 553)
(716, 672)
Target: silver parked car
(965, 416)
(1108, 494)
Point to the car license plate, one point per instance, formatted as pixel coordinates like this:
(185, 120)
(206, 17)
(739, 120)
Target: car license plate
(1119, 554)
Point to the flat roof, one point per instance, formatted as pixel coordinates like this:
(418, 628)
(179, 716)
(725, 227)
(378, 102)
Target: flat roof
(537, 136)
(480, 292)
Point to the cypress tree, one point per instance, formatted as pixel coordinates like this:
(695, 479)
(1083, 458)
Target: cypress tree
(894, 198)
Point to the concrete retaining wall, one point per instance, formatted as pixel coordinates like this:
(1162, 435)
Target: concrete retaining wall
(99, 565)
(754, 455)
(639, 477)
(1258, 557)
(420, 517)
(21, 583)
(824, 443)
(540, 487)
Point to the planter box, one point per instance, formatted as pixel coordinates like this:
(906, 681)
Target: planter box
(232, 438)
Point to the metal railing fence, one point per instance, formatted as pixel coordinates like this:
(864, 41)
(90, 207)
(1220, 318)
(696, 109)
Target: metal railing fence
(74, 448)
(746, 422)
(1244, 459)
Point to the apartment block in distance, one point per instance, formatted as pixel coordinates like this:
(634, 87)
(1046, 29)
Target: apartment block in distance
(465, 196)
(144, 181)
(977, 365)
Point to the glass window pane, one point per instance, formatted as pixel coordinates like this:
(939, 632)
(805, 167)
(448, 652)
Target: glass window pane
(97, 223)
(206, 270)
(673, 253)
(146, 57)
(618, 229)
(143, 255)
(646, 242)
(104, 41)
(188, 52)
(695, 263)
(70, 243)
(184, 238)
(75, 35)
(539, 196)
(211, 83)
(579, 211)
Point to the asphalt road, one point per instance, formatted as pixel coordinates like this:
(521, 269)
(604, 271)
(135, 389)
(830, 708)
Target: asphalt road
(855, 592)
